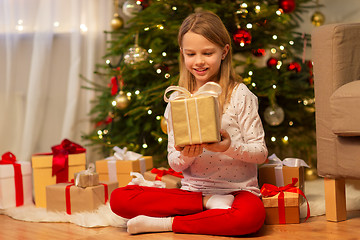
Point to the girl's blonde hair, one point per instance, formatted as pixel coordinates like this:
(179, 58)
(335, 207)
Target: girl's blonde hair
(210, 26)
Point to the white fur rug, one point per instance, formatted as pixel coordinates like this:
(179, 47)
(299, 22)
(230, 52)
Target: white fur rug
(103, 216)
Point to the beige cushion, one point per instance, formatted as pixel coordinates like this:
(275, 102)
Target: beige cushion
(345, 110)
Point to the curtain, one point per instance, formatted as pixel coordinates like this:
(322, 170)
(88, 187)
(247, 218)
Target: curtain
(45, 45)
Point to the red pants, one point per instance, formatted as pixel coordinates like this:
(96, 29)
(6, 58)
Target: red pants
(246, 215)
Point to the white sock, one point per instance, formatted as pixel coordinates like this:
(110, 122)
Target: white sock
(220, 202)
(143, 224)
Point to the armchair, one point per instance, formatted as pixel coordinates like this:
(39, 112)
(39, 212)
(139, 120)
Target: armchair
(336, 57)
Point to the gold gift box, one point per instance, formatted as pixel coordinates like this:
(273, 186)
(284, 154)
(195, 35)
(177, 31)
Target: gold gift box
(123, 169)
(292, 210)
(198, 117)
(81, 199)
(86, 179)
(170, 180)
(42, 173)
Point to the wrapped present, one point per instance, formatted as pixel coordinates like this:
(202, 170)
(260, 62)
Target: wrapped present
(195, 117)
(15, 182)
(87, 178)
(171, 178)
(282, 203)
(118, 167)
(281, 173)
(66, 197)
(58, 166)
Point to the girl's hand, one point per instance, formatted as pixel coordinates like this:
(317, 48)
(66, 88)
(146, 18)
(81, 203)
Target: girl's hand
(221, 146)
(190, 150)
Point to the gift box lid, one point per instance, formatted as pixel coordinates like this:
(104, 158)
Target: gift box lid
(290, 199)
(7, 170)
(45, 161)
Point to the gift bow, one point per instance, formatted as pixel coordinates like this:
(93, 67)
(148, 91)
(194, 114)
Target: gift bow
(290, 162)
(124, 154)
(162, 172)
(10, 158)
(208, 89)
(60, 165)
(269, 190)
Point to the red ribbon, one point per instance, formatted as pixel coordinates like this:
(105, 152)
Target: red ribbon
(269, 190)
(67, 195)
(60, 163)
(9, 158)
(114, 86)
(160, 173)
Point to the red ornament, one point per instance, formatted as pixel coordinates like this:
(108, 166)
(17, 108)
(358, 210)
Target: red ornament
(287, 5)
(258, 52)
(271, 62)
(242, 37)
(294, 66)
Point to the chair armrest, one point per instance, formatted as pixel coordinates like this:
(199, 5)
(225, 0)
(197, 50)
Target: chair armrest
(345, 109)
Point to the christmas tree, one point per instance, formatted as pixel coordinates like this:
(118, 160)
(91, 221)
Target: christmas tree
(142, 61)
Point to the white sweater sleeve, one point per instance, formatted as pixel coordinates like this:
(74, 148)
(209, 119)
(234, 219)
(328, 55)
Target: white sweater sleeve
(247, 139)
(176, 160)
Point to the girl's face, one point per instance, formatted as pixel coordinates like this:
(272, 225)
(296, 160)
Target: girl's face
(202, 57)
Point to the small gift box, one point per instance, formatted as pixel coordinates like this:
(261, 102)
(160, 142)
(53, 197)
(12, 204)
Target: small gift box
(58, 166)
(87, 178)
(195, 117)
(118, 167)
(15, 182)
(282, 203)
(66, 197)
(171, 178)
(281, 173)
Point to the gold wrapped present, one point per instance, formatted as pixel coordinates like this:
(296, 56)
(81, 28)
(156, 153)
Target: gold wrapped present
(66, 197)
(195, 117)
(171, 178)
(118, 167)
(47, 171)
(87, 178)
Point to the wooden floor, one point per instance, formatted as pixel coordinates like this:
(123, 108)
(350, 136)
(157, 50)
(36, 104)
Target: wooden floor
(314, 228)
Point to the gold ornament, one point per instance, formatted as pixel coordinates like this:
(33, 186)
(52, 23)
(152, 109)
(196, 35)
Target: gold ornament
(317, 19)
(122, 101)
(163, 124)
(117, 22)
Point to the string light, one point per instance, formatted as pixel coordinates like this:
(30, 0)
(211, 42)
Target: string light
(274, 37)
(160, 139)
(137, 92)
(144, 145)
(257, 9)
(167, 75)
(273, 139)
(249, 25)
(291, 123)
(164, 54)
(174, 8)
(291, 42)
(253, 84)
(150, 50)
(279, 12)
(158, 71)
(250, 73)
(273, 50)
(83, 28)
(149, 112)
(128, 94)
(282, 47)
(158, 118)
(274, 86)
(146, 29)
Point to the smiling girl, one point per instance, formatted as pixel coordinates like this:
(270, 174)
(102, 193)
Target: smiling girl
(220, 193)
